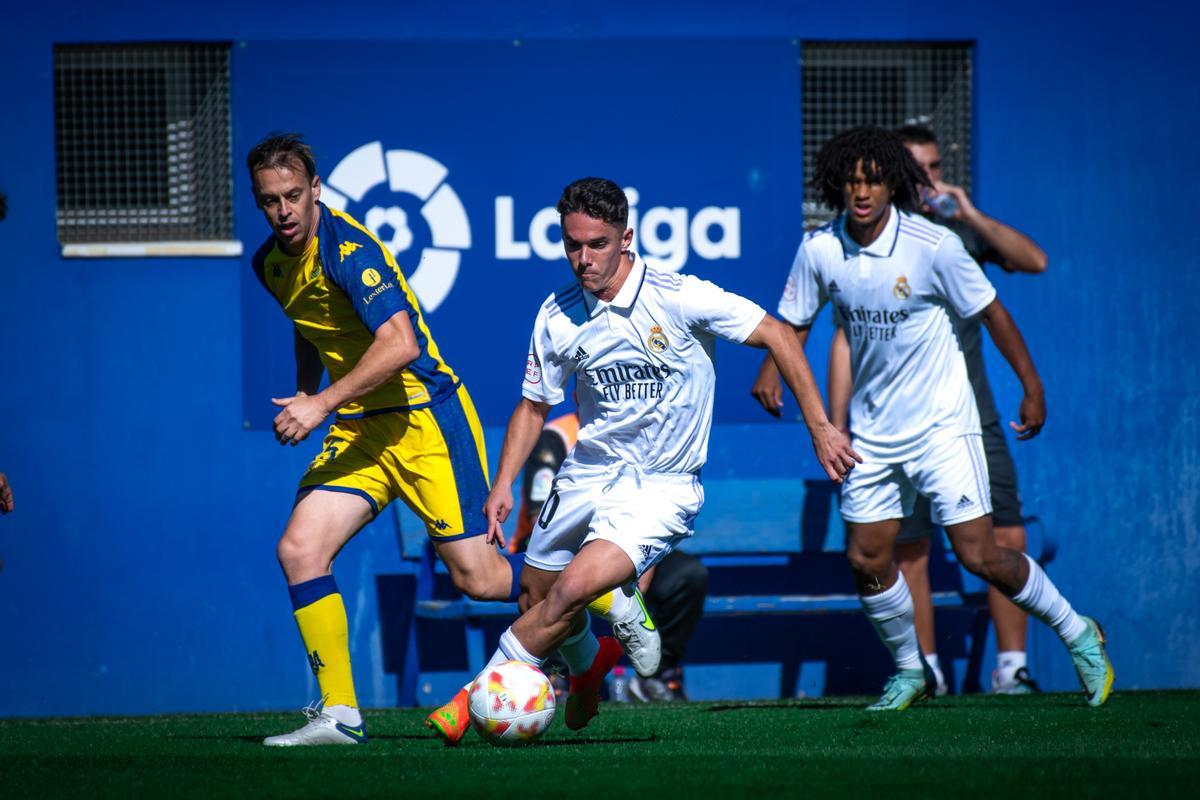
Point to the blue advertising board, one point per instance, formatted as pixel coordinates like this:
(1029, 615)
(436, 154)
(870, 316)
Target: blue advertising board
(454, 155)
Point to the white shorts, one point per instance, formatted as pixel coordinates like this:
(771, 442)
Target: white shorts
(952, 473)
(645, 515)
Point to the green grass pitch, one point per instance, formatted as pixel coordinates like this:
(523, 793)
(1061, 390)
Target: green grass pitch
(1142, 744)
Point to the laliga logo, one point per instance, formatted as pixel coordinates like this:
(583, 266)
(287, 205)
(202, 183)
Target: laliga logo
(416, 174)
(713, 233)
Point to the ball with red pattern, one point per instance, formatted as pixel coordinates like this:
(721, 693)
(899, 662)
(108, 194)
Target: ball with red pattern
(511, 703)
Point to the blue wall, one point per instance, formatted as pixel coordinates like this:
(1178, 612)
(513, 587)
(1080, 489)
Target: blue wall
(139, 570)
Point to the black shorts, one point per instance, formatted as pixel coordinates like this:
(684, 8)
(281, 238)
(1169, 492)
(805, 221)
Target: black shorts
(1002, 476)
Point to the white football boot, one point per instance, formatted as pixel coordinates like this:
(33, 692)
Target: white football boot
(639, 637)
(321, 728)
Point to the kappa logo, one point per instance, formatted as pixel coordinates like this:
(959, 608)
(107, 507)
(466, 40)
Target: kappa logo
(441, 524)
(902, 291)
(370, 277)
(277, 271)
(405, 172)
(345, 249)
(315, 662)
(964, 501)
(657, 340)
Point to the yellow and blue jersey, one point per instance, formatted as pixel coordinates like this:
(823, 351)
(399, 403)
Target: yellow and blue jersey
(338, 292)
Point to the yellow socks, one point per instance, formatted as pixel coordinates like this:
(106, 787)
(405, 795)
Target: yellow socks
(321, 616)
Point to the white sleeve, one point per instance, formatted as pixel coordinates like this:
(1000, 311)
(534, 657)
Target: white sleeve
(710, 308)
(544, 373)
(804, 293)
(959, 279)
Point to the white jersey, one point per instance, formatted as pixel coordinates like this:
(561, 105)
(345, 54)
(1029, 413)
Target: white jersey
(900, 300)
(643, 364)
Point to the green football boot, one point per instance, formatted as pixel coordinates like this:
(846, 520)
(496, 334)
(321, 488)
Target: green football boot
(1091, 663)
(905, 688)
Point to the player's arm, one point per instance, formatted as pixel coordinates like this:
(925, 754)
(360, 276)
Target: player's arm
(6, 495)
(1016, 251)
(394, 348)
(785, 345)
(1011, 344)
(803, 296)
(841, 384)
(524, 429)
(767, 388)
(309, 368)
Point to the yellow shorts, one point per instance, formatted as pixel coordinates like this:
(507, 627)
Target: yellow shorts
(432, 458)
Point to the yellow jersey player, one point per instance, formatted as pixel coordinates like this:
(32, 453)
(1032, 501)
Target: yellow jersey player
(405, 426)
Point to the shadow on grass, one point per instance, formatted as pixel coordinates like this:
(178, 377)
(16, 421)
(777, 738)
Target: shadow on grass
(789, 705)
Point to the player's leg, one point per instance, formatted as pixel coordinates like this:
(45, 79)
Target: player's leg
(452, 720)
(1015, 574)
(675, 597)
(912, 557)
(559, 622)
(479, 570)
(874, 499)
(320, 524)
(1011, 675)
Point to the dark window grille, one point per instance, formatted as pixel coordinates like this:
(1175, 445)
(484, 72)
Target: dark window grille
(143, 143)
(889, 84)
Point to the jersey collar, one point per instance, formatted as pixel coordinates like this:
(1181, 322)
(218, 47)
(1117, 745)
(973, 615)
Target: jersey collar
(883, 245)
(625, 296)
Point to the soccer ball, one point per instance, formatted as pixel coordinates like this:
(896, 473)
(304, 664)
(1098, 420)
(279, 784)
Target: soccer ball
(511, 703)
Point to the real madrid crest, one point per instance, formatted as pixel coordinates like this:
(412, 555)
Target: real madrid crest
(902, 291)
(657, 340)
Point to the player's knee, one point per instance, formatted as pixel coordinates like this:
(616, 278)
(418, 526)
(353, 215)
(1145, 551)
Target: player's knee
(474, 583)
(978, 561)
(298, 554)
(1012, 537)
(569, 595)
(868, 562)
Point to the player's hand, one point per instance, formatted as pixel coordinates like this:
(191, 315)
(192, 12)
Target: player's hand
(1032, 414)
(496, 509)
(965, 207)
(6, 495)
(300, 415)
(768, 388)
(834, 452)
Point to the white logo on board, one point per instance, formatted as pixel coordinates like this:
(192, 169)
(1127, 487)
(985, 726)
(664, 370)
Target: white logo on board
(416, 174)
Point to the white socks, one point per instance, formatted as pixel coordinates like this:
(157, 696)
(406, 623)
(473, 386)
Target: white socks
(932, 660)
(580, 649)
(347, 715)
(891, 612)
(511, 649)
(1040, 599)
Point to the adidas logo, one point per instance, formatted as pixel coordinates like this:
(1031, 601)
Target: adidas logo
(964, 501)
(646, 550)
(580, 356)
(833, 287)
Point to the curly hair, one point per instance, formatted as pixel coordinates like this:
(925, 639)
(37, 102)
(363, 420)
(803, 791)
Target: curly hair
(598, 198)
(883, 156)
(281, 150)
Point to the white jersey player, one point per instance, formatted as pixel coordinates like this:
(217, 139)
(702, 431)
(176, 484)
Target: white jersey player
(639, 344)
(900, 285)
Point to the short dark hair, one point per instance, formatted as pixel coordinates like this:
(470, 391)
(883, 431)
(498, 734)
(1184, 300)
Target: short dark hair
(598, 198)
(281, 150)
(883, 156)
(916, 134)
